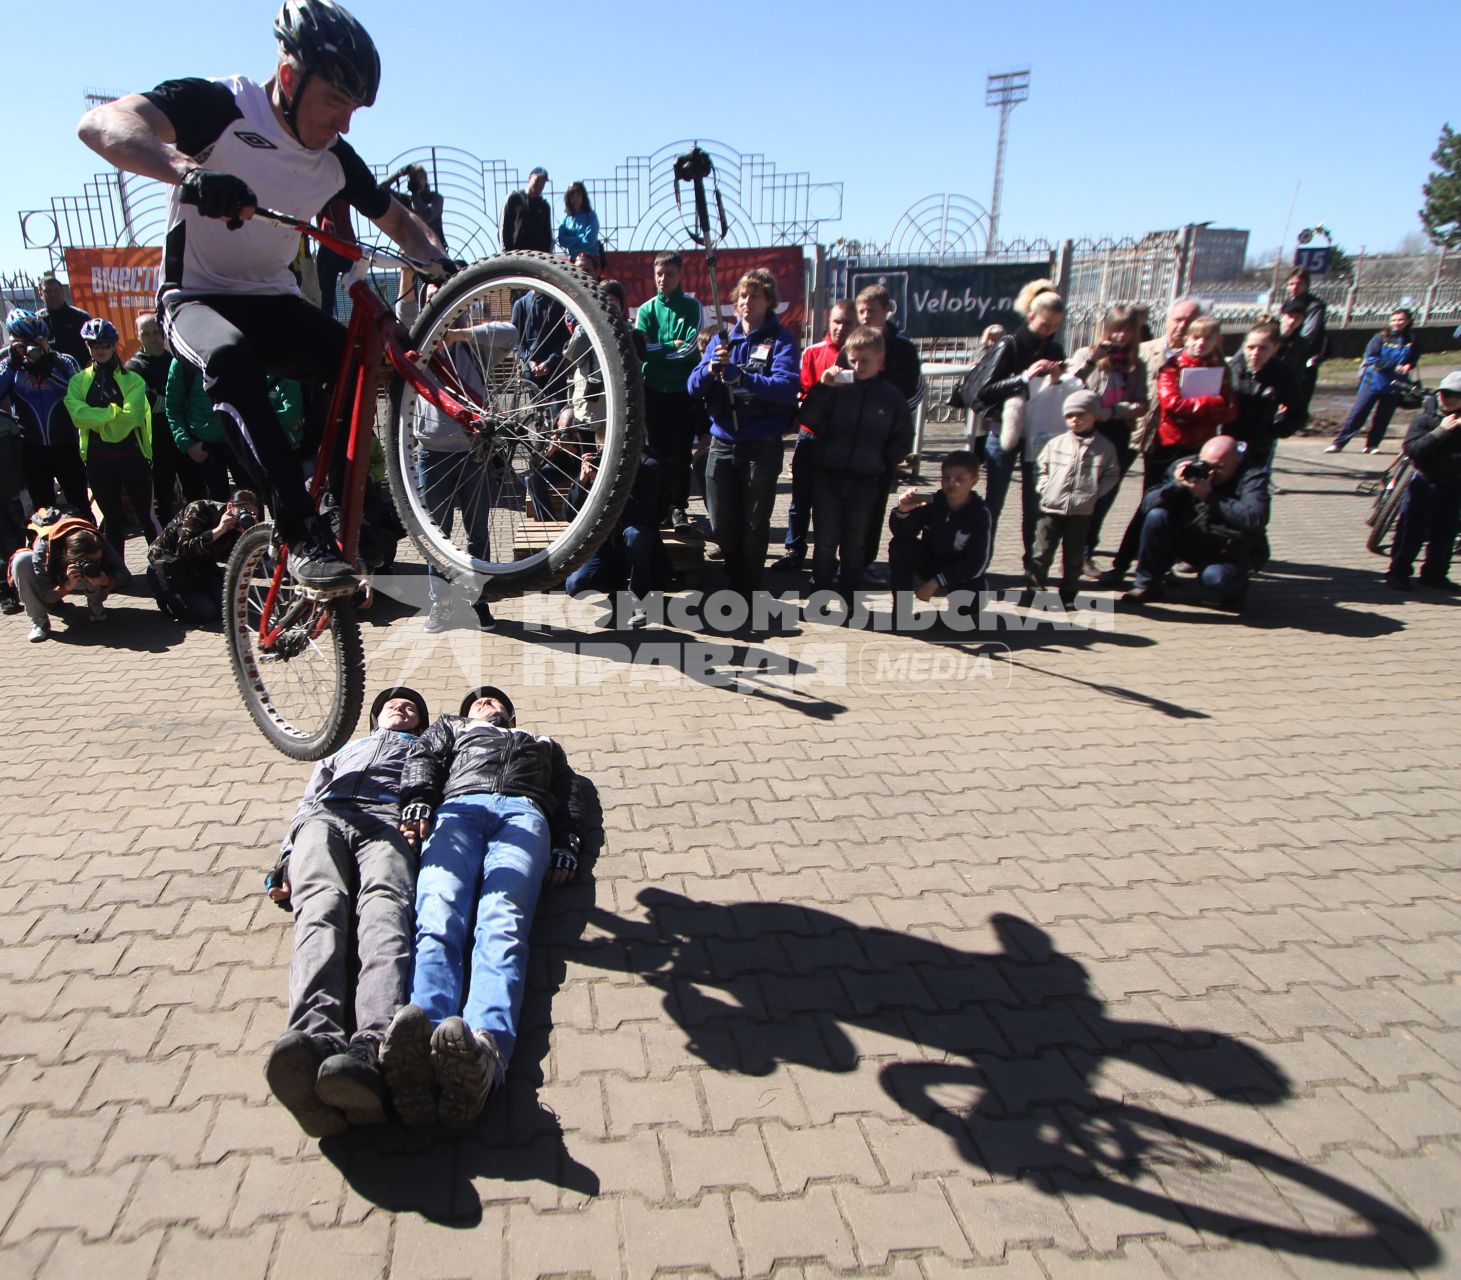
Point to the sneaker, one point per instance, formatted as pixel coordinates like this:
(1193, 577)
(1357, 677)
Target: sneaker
(1335, 448)
(96, 611)
(680, 522)
(465, 1064)
(293, 1066)
(315, 563)
(405, 1060)
(439, 619)
(1397, 582)
(1233, 602)
(1112, 578)
(1140, 595)
(1439, 584)
(875, 575)
(39, 631)
(485, 620)
(791, 560)
(352, 1081)
(9, 606)
(1090, 568)
(638, 619)
(1372, 449)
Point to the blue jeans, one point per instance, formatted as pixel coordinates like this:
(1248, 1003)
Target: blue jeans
(634, 556)
(1161, 544)
(1382, 402)
(452, 482)
(486, 857)
(999, 466)
(803, 478)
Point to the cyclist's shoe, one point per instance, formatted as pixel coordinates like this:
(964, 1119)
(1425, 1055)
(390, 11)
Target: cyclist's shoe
(405, 1057)
(465, 1063)
(316, 564)
(352, 1081)
(293, 1065)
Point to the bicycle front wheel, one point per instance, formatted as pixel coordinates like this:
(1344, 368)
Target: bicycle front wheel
(302, 676)
(529, 489)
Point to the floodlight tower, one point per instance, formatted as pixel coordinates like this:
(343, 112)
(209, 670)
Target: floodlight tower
(1005, 91)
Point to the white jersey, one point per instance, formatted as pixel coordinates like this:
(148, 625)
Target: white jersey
(229, 126)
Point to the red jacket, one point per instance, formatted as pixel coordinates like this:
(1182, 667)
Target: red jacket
(1191, 422)
(816, 360)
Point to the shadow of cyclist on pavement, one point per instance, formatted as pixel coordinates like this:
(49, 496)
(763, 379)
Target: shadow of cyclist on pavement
(1021, 1035)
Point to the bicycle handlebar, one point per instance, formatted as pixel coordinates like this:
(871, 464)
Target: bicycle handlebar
(351, 249)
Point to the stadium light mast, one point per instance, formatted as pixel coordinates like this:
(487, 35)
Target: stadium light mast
(1005, 91)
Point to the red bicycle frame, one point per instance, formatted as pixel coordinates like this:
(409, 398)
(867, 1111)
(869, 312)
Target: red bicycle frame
(373, 339)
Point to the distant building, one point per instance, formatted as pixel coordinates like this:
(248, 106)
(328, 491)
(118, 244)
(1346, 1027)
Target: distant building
(1218, 253)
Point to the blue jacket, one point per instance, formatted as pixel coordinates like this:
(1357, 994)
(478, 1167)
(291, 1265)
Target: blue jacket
(1384, 354)
(765, 394)
(40, 400)
(579, 233)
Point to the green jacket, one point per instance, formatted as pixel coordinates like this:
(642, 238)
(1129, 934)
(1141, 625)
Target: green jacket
(190, 412)
(287, 397)
(111, 422)
(670, 324)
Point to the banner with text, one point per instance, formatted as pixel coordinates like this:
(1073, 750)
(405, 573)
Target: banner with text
(119, 284)
(952, 302)
(635, 271)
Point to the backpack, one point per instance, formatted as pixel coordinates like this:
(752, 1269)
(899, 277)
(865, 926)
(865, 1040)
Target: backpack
(966, 395)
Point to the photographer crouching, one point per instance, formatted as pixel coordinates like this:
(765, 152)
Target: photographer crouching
(185, 562)
(68, 558)
(1212, 512)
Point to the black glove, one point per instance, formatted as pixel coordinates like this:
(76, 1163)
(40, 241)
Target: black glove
(218, 195)
(417, 811)
(565, 860)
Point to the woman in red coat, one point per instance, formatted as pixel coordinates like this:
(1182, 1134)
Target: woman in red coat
(1189, 421)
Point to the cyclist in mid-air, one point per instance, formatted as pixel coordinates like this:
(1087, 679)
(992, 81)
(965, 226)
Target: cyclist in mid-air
(229, 303)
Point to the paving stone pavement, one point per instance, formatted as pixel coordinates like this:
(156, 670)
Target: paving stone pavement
(1126, 951)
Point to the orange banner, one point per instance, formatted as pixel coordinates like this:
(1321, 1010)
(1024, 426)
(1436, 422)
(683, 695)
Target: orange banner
(119, 284)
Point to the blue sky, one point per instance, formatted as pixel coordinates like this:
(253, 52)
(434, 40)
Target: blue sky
(1141, 116)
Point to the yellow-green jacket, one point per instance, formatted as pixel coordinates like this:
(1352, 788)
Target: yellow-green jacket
(112, 423)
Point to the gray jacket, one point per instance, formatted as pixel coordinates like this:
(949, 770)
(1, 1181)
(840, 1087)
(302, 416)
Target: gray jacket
(1075, 471)
(362, 779)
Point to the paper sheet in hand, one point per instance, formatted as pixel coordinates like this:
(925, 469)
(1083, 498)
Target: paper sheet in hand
(1202, 382)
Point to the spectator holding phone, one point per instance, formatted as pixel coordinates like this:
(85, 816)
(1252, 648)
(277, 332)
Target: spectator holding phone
(941, 541)
(863, 430)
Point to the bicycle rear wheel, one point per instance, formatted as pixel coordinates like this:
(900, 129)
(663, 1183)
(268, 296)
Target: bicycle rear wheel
(1387, 506)
(508, 503)
(304, 687)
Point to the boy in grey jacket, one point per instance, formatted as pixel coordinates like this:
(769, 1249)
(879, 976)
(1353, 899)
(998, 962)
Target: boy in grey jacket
(349, 876)
(1075, 470)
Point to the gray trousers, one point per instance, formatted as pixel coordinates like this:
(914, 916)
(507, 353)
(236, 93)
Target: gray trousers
(352, 886)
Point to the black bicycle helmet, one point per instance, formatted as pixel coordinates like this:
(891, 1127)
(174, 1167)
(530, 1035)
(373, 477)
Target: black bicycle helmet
(328, 41)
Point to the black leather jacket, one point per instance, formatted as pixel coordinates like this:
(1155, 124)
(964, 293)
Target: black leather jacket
(1017, 352)
(1436, 453)
(457, 757)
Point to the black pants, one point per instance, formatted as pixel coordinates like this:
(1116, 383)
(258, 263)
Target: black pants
(842, 505)
(670, 421)
(171, 468)
(58, 463)
(1118, 432)
(191, 594)
(114, 470)
(1154, 473)
(877, 520)
(237, 342)
(330, 266)
(740, 488)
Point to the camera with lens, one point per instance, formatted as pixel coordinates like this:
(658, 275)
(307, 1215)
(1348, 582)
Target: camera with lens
(245, 519)
(90, 569)
(1196, 471)
(694, 164)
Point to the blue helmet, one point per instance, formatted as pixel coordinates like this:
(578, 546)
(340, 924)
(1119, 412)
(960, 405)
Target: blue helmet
(26, 326)
(98, 330)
